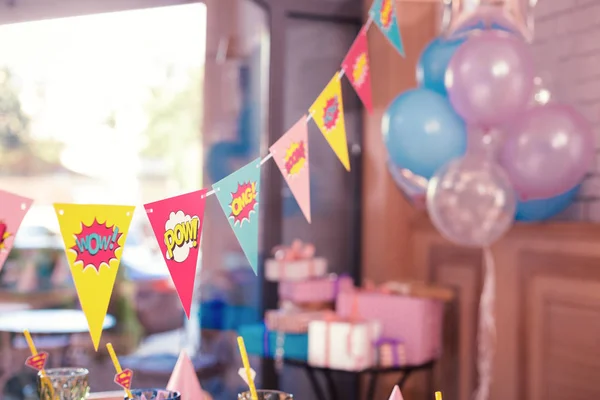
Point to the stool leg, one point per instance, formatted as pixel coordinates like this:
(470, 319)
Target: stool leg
(314, 383)
(333, 395)
(372, 385)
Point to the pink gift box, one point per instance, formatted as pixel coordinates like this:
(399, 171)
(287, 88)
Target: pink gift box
(415, 321)
(315, 290)
(293, 321)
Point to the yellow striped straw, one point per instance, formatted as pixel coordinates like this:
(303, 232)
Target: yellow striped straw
(115, 361)
(246, 363)
(44, 378)
(438, 395)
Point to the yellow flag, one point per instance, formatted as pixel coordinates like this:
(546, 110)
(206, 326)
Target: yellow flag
(94, 237)
(328, 113)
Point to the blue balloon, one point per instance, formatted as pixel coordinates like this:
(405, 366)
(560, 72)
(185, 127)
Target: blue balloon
(422, 132)
(433, 63)
(540, 210)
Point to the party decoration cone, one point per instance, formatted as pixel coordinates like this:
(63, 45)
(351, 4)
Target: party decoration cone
(290, 153)
(239, 196)
(328, 113)
(396, 394)
(12, 212)
(177, 223)
(357, 68)
(184, 379)
(383, 14)
(94, 236)
(244, 375)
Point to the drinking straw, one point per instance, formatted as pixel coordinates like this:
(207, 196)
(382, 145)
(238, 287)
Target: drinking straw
(438, 395)
(34, 353)
(246, 363)
(115, 361)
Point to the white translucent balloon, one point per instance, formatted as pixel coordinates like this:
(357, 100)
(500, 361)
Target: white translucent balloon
(471, 201)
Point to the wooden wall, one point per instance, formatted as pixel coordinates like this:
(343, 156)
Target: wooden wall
(386, 215)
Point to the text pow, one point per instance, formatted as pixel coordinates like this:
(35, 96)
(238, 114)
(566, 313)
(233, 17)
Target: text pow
(184, 233)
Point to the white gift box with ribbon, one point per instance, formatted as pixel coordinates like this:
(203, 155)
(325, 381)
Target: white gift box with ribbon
(343, 344)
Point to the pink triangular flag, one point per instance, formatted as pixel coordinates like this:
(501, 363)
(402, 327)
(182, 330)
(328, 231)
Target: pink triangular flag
(184, 379)
(177, 224)
(290, 153)
(357, 69)
(396, 394)
(13, 211)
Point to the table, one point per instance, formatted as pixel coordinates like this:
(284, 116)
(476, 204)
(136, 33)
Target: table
(49, 322)
(56, 326)
(373, 373)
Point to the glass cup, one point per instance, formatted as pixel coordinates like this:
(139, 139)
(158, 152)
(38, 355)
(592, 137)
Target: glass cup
(64, 384)
(154, 394)
(267, 395)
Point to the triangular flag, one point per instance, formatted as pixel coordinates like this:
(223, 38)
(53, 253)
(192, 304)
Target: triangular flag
(94, 237)
(239, 196)
(328, 113)
(357, 68)
(184, 379)
(396, 394)
(383, 13)
(12, 212)
(177, 223)
(290, 153)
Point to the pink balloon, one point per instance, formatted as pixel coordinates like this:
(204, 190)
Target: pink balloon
(490, 78)
(547, 151)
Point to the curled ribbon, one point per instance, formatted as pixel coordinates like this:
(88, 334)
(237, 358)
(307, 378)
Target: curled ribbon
(370, 287)
(298, 251)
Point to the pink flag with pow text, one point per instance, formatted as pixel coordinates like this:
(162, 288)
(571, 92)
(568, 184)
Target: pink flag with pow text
(12, 211)
(290, 153)
(177, 223)
(358, 70)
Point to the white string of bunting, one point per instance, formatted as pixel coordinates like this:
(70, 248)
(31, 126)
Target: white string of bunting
(94, 234)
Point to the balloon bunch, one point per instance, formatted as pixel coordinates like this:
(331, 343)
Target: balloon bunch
(482, 134)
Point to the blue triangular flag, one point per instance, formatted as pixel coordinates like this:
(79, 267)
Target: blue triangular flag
(383, 14)
(239, 197)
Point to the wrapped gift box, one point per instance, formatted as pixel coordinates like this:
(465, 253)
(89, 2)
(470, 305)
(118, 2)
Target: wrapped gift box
(315, 290)
(262, 342)
(305, 307)
(219, 315)
(416, 321)
(291, 321)
(343, 344)
(296, 270)
(390, 352)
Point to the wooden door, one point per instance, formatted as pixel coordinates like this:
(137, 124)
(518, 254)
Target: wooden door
(547, 310)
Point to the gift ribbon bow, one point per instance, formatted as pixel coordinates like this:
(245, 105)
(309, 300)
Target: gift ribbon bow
(297, 251)
(370, 287)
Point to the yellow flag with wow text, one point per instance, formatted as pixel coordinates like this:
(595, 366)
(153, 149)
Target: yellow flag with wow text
(94, 236)
(328, 113)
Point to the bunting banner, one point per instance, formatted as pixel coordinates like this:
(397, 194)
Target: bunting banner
(94, 236)
(177, 225)
(328, 113)
(239, 196)
(357, 69)
(13, 211)
(290, 153)
(383, 13)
